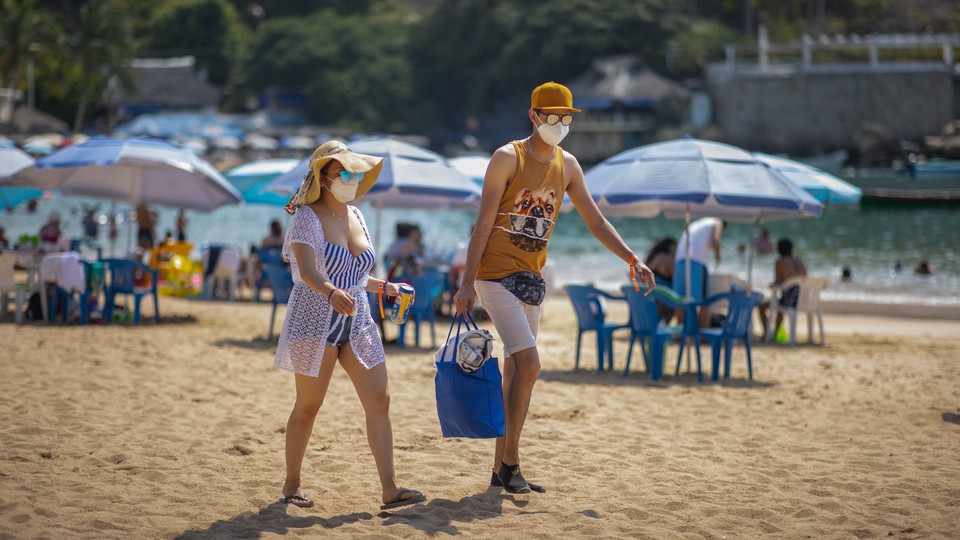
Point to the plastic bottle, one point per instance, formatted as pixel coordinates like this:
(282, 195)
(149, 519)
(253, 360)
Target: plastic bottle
(782, 336)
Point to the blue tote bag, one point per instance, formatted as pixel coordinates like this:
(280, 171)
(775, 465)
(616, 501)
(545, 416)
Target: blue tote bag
(469, 404)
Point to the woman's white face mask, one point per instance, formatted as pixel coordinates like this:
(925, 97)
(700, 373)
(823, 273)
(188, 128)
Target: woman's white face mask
(343, 191)
(551, 135)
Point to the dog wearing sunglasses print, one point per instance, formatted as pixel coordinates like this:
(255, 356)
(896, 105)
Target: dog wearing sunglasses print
(532, 218)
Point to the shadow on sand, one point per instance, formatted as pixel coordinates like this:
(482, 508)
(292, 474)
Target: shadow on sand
(272, 519)
(433, 516)
(259, 343)
(641, 379)
(146, 321)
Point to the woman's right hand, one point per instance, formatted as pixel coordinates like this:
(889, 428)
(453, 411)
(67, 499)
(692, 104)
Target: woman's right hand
(342, 302)
(465, 298)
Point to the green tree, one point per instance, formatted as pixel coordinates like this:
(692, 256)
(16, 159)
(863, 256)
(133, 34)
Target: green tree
(351, 68)
(25, 31)
(470, 55)
(140, 15)
(457, 51)
(208, 29)
(99, 40)
(703, 42)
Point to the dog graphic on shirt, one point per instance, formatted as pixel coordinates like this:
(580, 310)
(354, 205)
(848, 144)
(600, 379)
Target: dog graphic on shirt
(531, 218)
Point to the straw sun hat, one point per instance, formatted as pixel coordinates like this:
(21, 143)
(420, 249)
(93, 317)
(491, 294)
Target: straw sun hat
(352, 162)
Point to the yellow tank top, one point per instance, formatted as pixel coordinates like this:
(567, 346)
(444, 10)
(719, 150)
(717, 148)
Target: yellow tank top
(525, 218)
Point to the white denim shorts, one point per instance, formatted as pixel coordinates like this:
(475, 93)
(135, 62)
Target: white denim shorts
(516, 323)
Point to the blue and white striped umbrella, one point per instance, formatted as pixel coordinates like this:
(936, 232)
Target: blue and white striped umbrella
(252, 178)
(133, 171)
(822, 185)
(712, 179)
(412, 177)
(686, 178)
(12, 159)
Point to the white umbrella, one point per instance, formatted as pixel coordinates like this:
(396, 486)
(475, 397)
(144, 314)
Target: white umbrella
(257, 141)
(473, 166)
(413, 176)
(133, 171)
(693, 178)
(12, 159)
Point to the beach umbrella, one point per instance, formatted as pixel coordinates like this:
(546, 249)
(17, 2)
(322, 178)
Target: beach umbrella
(227, 142)
(179, 124)
(412, 177)
(251, 179)
(297, 142)
(686, 178)
(133, 171)
(474, 167)
(256, 141)
(12, 159)
(822, 185)
(712, 179)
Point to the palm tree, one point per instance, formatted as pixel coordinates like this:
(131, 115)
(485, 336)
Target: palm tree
(24, 30)
(100, 41)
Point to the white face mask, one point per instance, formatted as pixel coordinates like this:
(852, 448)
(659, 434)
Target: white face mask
(552, 135)
(343, 191)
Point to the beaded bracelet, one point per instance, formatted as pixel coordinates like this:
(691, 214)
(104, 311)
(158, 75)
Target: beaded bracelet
(633, 275)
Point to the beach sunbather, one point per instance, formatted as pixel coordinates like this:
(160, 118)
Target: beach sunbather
(328, 317)
(522, 191)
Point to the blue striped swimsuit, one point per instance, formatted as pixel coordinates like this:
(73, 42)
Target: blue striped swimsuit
(345, 271)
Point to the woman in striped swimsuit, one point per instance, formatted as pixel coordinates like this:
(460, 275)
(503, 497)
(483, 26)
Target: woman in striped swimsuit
(328, 318)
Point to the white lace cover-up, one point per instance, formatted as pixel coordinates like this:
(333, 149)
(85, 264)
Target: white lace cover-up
(307, 322)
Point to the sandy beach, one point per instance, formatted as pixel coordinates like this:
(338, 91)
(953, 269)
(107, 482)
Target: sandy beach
(176, 430)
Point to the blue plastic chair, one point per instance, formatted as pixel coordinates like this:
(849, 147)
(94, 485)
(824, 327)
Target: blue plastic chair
(265, 256)
(645, 325)
(588, 306)
(122, 280)
(428, 288)
(280, 278)
(736, 326)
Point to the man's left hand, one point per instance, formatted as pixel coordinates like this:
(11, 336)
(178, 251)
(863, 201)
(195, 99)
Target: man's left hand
(644, 276)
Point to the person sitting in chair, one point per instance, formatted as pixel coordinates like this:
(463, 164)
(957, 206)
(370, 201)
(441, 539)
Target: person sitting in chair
(786, 267)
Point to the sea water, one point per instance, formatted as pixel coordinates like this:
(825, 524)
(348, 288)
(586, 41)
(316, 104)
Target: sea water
(868, 239)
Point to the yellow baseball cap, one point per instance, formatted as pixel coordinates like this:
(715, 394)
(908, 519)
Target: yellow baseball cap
(551, 96)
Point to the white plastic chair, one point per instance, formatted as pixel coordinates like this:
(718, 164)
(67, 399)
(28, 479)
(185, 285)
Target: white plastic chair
(60, 270)
(718, 284)
(228, 269)
(9, 286)
(808, 301)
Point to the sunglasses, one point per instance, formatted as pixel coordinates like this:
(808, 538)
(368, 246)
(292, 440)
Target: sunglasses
(347, 177)
(553, 118)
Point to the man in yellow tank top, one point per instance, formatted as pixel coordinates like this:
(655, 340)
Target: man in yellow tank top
(523, 188)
